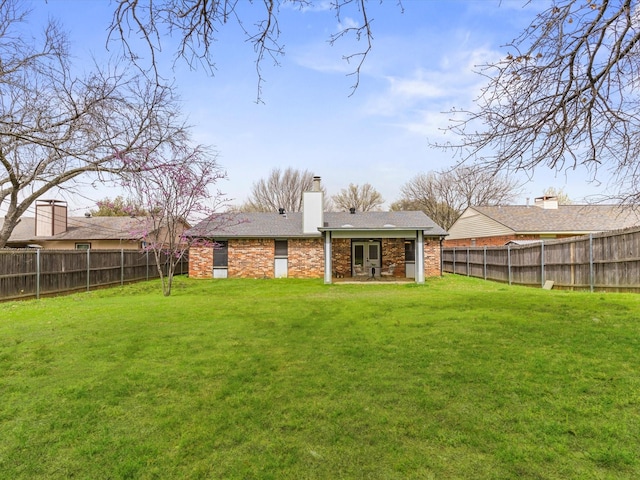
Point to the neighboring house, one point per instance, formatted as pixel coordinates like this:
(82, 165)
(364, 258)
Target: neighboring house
(317, 244)
(499, 225)
(51, 228)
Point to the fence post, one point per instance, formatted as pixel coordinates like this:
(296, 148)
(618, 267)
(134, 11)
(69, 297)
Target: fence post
(509, 263)
(591, 272)
(88, 268)
(542, 263)
(147, 264)
(122, 266)
(468, 263)
(484, 262)
(37, 273)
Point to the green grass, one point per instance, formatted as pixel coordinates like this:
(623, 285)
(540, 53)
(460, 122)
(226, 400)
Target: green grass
(292, 379)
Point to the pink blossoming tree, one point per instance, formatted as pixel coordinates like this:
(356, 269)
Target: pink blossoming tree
(174, 188)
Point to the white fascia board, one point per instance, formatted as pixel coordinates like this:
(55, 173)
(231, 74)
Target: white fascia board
(358, 233)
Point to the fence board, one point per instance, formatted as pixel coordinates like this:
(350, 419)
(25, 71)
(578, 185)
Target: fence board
(31, 273)
(605, 261)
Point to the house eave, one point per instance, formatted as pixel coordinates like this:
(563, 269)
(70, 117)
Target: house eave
(223, 235)
(426, 230)
(556, 232)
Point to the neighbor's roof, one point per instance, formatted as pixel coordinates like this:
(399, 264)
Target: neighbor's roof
(268, 224)
(566, 219)
(83, 228)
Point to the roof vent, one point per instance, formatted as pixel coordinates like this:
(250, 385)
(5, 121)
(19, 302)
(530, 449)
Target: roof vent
(352, 210)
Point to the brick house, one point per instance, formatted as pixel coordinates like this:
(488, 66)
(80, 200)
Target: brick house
(317, 244)
(546, 219)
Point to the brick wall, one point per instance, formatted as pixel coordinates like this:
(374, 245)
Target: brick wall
(341, 256)
(251, 258)
(306, 258)
(200, 262)
(254, 258)
(393, 252)
(432, 257)
(497, 241)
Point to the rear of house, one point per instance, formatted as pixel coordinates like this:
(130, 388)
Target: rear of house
(317, 244)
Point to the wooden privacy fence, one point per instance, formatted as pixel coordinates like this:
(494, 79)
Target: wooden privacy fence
(35, 272)
(607, 261)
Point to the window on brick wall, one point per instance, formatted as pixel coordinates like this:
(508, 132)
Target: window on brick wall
(220, 253)
(410, 251)
(282, 248)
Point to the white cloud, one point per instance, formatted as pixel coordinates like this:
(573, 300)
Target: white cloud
(347, 23)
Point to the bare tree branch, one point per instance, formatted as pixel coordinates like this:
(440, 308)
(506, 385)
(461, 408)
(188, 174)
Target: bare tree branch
(56, 127)
(363, 198)
(197, 25)
(565, 96)
(444, 195)
(281, 189)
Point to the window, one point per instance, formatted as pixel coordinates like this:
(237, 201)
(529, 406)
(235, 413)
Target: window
(373, 251)
(282, 248)
(220, 253)
(83, 246)
(410, 251)
(358, 255)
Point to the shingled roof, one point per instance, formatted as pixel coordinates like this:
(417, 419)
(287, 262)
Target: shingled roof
(82, 228)
(533, 220)
(273, 225)
(564, 219)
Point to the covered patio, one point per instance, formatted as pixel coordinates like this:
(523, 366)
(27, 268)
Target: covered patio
(396, 247)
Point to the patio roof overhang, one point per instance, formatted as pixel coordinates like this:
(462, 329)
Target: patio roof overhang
(390, 231)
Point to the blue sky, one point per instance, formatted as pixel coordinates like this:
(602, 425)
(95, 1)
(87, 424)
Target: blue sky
(421, 65)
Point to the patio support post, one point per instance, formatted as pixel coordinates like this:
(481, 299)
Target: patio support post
(327, 257)
(420, 257)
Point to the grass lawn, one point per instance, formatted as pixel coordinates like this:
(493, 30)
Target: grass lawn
(293, 379)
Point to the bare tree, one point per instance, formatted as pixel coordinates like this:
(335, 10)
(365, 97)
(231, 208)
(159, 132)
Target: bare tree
(363, 198)
(424, 192)
(281, 189)
(444, 195)
(196, 25)
(56, 127)
(173, 186)
(565, 96)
